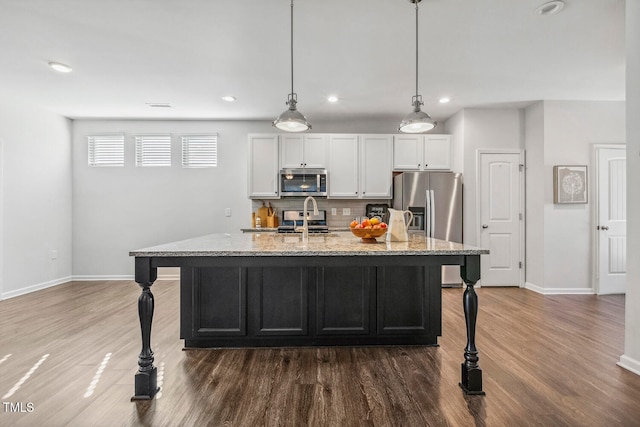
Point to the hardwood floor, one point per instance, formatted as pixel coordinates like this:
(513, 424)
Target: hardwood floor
(547, 360)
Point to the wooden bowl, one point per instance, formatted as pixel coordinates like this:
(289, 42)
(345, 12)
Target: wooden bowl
(368, 234)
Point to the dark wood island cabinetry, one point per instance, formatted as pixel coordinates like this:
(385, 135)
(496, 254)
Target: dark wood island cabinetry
(264, 290)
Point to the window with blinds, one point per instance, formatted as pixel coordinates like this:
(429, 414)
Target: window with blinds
(200, 151)
(106, 150)
(153, 150)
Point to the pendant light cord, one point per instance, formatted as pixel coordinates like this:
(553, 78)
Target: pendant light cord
(417, 1)
(291, 47)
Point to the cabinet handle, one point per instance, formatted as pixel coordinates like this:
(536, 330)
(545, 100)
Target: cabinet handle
(418, 164)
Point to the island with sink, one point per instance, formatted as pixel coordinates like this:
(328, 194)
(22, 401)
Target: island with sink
(269, 289)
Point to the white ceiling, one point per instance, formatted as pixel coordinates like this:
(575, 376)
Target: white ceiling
(189, 53)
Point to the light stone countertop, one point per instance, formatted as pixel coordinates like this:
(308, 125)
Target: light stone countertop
(332, 244)
(266, 229)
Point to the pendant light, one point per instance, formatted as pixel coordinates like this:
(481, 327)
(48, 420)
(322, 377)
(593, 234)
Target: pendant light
(417, 121)
(291, 120)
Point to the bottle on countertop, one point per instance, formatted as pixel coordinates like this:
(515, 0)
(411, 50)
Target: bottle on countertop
(258, 222)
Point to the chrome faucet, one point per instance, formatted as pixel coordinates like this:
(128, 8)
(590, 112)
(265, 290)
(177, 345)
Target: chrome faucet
(305, 224)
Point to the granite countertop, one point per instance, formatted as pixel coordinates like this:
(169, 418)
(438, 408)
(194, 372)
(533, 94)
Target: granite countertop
(332, 244)
(267, 229)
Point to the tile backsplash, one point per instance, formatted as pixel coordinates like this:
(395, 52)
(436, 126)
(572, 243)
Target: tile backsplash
(357, 208)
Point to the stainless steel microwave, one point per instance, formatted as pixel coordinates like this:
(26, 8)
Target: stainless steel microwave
(303, 182)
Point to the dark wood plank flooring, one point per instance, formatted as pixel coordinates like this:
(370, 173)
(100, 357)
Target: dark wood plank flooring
(547, 361)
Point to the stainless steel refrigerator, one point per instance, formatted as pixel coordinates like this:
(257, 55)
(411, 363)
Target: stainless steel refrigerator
(435, 199)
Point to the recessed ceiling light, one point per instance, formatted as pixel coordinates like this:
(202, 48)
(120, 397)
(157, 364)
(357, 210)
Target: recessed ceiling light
(228, 98)
(159, 104)
(332, 98)
(550, 8)
(444, 100)
(60, 67)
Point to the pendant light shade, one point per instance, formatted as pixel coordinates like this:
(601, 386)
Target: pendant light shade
(292, 120)
(417, 121)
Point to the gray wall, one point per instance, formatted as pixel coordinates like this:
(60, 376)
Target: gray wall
(631, 357)
(559, 237)
(35, 199)
(534, 207)
(118, 209)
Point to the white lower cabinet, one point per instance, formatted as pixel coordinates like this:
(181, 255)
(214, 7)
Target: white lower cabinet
(360, 166)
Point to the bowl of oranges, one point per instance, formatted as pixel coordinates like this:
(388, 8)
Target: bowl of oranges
(369, 229)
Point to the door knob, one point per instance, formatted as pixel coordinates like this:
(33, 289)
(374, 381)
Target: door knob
(604, 227)
(485, 226)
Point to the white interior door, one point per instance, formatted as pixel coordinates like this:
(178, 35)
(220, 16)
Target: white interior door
(611, 221)
(500, 212)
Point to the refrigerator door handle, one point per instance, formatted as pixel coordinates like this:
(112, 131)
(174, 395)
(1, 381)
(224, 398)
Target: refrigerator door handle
(433, 213)
(429, 213)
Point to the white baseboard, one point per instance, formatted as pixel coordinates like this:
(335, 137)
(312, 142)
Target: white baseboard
(62, 280)
(36, 287)
(558, 291)
(629, 364)
(93, 278)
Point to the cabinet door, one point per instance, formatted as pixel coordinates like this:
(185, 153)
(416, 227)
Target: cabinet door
(344, 297)
(279, 305)
(263, 166)
(437, 152)
(343, 166)
(315, 151)
(291, 151)
(408, 152)
(376, 152)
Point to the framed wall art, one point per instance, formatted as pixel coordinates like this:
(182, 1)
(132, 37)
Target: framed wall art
(569, 184)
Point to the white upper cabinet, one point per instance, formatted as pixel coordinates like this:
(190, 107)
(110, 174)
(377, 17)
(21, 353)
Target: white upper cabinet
(360, 166)
(303, 151)
(376, 152)
(408, 152)
(343, 166)
(422, 152)
(263, 166)
(437, 152)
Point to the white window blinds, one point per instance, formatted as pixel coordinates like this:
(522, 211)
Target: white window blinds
(153, 150)
(106, 150)
(200, 151)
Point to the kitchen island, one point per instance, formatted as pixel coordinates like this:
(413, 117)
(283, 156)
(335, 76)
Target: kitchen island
(267, 289)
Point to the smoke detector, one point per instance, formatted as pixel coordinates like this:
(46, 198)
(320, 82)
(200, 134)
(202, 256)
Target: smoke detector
(550, 8)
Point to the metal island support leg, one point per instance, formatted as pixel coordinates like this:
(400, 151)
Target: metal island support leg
(471, 381)
(146, 379)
